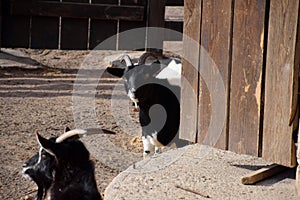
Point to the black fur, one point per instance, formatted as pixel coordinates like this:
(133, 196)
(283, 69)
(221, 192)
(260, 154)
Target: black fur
(65, 170)
(74, 171)
(141, 82)
(41, 173)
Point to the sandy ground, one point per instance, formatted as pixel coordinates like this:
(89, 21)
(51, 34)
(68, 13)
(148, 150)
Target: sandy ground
(36, 92)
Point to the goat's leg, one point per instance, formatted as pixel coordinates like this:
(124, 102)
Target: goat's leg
(147, 146)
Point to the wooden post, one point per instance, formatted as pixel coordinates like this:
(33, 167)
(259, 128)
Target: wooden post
(281, 83)
(156, 18)
(190, 70)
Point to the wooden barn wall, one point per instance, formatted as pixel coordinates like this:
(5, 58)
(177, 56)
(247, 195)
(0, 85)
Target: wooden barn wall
(255, 46)
(79, 24)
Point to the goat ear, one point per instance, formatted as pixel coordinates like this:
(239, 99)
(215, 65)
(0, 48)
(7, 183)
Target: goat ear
(118, 72)
(67, 129)
(48, 145)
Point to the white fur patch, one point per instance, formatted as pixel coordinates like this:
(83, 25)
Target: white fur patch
(146, 143)
(172, 73)
(154, 140)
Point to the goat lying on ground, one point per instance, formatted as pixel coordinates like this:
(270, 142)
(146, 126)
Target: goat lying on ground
(147, 88)
(62, 168)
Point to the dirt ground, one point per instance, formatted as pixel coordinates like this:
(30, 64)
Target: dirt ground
(40, 98)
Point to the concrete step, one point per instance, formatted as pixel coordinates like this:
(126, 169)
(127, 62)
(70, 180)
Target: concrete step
(198, 172)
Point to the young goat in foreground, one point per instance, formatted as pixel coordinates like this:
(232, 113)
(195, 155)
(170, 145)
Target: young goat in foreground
(62, 168)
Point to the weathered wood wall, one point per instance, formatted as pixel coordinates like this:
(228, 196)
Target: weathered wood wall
(255, 48)
(79, 24)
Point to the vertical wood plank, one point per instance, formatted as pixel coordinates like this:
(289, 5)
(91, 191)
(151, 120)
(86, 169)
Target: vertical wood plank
(1, 23)
(131, 42)
(246, 76)
(156, 18)
(190, 66)
(12, 26)
(281, 73)
(74, 32)
(44, 32)
(97, 27)
(216, 40)
(297, 183)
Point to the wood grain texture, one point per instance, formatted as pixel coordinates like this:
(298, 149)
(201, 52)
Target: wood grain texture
(281, 70)
(246, 76)
(216, 40)
(190, 66)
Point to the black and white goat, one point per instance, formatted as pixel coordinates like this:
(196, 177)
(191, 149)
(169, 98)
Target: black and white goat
(148, 86)
(62, 168)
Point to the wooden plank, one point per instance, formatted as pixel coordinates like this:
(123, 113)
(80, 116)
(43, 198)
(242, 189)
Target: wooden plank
(262, 174)
(134, 2)
(298, 161)
(44, 32)
(246, 76)
(190, 64)
(78, 10)
(132, 42)
(175, 2)
(1, 23)
(97, 35)
(281, 83)
(216, 40)
(74, 32)
(155, 18)
(12, 26)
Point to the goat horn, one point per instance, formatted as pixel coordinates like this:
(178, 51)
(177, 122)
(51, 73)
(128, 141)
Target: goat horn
(70, 134)
(146, 55)
(127, 60)
(82, 132)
